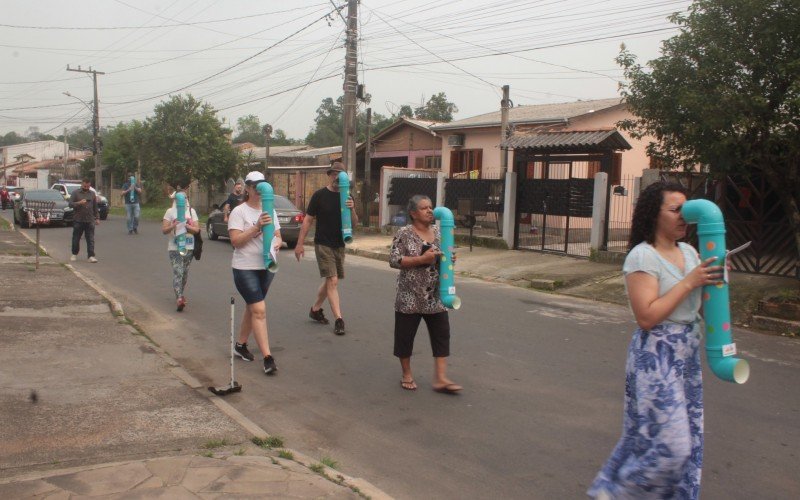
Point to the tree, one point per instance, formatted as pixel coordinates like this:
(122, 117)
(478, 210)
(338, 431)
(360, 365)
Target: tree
(726, 94)
(405, 111)
(12, 138)
(249, 130)
(79, 137)
(279, 138)
(187, 141)
(437, 109)
(328, 124)
(125, 148)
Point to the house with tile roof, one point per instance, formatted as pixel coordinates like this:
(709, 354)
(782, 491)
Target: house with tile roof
(472, 145)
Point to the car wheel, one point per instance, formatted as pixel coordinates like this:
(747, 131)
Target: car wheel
(210, 232)
(291, 244)
(24, 223)
(104, 217)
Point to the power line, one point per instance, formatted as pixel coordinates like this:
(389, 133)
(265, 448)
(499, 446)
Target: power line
(229, 67)
(108, 28)
(434, 54)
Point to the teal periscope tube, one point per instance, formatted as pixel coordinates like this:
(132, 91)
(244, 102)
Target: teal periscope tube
(267, 232)
(447, 287)
(180, 209)
(720, 349)
(344, 194)
(131, 184)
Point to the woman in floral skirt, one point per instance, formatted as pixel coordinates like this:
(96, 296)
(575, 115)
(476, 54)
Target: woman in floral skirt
(660, 453)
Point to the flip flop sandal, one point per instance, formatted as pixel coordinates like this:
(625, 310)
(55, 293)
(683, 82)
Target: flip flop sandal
(448, 389)
(409, 385)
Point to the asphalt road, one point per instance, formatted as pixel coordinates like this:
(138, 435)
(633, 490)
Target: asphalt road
(543, 377)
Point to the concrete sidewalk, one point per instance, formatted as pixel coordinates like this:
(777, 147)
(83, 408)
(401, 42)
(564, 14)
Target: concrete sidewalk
(578, 277)
(91, 407)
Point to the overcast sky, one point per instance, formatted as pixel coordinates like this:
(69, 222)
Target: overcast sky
(279, 59)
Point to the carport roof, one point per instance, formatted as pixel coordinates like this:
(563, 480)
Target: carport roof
(568, 141)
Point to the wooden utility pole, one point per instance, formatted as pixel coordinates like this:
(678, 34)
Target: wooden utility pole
(66, 153)
(350, 88)
(505, 104)
(267, 133)
(95, 125)
(366, 190)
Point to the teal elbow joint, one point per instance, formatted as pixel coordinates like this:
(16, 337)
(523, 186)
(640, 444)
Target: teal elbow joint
(267, 232)
(720, 348)
(180, 214)
(344, 194)
(447, 287)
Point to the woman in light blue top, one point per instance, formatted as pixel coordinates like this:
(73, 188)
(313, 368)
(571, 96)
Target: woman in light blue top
(660, 453)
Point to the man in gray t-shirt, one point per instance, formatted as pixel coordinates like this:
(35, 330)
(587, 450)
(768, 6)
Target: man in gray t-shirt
(84, 202)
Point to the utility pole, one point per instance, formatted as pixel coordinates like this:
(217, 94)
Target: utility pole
(66, 152)
(267, 133)
(350, 88)
(366, 190)
(95, 125)
(504, 105)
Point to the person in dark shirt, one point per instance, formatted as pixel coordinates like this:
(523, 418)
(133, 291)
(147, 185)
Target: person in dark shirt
(325, 208)
(233, 200)
(84, 202)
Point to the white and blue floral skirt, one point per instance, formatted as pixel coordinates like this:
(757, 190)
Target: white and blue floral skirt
(660, 453)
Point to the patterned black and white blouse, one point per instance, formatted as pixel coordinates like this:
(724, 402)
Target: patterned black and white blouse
(417, 287)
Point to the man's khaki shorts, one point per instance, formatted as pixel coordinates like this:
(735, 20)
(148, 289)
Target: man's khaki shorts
(330, 261)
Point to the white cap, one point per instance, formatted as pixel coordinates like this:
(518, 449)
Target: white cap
(254, 177)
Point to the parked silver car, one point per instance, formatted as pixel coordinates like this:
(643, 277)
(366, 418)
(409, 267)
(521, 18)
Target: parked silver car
(289, 217)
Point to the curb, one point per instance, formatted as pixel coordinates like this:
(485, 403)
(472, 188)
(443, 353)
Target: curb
(184, 376)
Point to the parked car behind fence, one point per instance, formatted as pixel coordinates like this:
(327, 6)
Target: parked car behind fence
(289, 217)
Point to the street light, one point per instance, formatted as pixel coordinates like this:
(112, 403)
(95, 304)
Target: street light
(267, 133)
(88, 106)
(95, 138)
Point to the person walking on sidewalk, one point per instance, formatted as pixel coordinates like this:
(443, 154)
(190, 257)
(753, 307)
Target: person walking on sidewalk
(180, 263)
(415, 251)
(325, 208)
(132, 194)
(85, 217)
(660, 453)
(251, 278)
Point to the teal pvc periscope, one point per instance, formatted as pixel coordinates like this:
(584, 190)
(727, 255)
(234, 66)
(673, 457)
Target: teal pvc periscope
(131, 184)
(447, 287)
(267, 232)
(344, 194)
(180, 209)
(720, 349)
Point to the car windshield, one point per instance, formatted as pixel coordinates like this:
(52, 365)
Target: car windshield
(72, 187)
(283, 203)
(48, 194)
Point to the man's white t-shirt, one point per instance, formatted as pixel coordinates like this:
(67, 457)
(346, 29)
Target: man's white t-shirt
(171, 215)
(251, 255)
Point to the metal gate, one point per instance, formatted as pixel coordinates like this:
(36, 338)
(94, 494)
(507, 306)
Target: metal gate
(554, 203)
(753, 213)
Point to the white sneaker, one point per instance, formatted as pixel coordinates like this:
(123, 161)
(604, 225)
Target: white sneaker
(73, 258)
(92, 260)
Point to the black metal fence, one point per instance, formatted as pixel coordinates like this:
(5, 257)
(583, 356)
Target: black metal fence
(620, 213)
(477, 203)
(752, 212)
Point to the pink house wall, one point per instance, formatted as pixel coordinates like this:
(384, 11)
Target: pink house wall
(633, 160)
(488, 139)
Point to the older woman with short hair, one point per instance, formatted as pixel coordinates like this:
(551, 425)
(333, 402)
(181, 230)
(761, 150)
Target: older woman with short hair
(415, 251)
